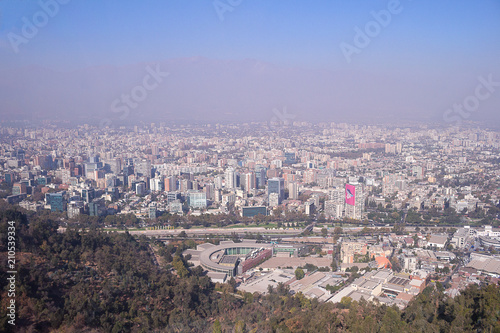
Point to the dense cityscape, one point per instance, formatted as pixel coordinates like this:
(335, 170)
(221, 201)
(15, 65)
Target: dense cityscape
(232, 166)
(331, 212)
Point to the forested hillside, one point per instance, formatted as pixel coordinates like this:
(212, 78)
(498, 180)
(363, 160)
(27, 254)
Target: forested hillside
(108, 282)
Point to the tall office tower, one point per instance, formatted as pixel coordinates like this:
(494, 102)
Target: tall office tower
(354, 201)
(185, 185)
(249, 181)
(293, 190)
(127, 171)
(276, 185)
(153, 211)
(88, 194)
(260, 176)
(170, 184)
(155, 184)
(218, 182)
(231, 180)
(217, 195)
(56, 201)
(210, 191)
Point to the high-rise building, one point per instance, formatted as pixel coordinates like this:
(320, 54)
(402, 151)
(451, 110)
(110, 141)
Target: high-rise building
(185, 185)
(249, 181)
(210, 191)
(293, 190)
(276, 185)
(309, 207)
(155, 184)
(231, 180)
(88, 194)
(56, 201)
(173, 196)
(274, 200)
(97, 207)
(75, 208)
(170, 183)
(260, 176)
(218, 182)
(153, 212)
(354, 201)
(398, 148)
(140, 188)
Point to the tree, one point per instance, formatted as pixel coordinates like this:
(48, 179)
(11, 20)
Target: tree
(299, 273)
(217, 328)
(324, 232)
(337, 231)
(239, 327)
(334, 265)
(180, 267)
(232, 283)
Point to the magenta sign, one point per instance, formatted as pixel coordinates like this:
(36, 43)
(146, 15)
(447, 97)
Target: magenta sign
(350, 194)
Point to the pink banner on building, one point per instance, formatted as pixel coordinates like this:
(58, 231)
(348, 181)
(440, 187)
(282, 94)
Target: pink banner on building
(350, 194)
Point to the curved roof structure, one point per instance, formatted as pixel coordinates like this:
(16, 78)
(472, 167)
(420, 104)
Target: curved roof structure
(229, 248)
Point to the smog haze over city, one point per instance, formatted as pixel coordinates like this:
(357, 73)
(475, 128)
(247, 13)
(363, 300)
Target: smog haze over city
(248, 166)
(236, 61)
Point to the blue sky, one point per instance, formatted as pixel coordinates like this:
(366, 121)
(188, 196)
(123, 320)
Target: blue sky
(303, 33)
(430, 50)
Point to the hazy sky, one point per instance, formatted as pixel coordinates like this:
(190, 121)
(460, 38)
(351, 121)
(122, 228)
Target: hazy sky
(431, 50)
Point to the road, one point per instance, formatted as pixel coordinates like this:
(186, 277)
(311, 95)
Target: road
(216, 231)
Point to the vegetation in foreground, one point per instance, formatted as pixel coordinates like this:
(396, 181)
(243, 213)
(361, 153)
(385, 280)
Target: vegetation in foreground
(108, 282)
